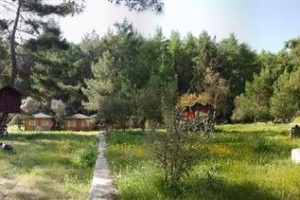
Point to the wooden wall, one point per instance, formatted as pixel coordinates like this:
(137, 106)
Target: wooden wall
(40, 124)
(78, 124)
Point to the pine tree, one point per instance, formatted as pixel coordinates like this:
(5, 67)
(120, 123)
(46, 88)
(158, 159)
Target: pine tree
(28, 18)
(284, 103)
(257, 96)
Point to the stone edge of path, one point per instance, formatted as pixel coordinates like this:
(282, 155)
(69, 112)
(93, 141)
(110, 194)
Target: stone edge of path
(102, 183)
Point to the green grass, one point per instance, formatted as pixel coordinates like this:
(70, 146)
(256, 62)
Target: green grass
(47, 165)
(245, 161)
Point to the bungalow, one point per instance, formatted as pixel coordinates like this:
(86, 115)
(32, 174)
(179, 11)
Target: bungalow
(39, 122)
(79, 122)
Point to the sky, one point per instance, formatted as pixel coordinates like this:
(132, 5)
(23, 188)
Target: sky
(262, 24)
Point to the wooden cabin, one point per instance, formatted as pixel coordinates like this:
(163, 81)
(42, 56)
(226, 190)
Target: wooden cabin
(39, 122)
(79, 122)
(10, 100)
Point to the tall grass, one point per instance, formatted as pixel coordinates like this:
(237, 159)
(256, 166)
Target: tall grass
(47, 165)
(249, 161)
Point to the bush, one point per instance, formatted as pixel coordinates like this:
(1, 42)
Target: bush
(176, 152)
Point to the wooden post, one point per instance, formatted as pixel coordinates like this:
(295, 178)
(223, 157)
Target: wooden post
(3, 127)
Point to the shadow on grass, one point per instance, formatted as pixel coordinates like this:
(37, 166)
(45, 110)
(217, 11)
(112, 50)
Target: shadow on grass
(130, 137)
(257, 143)
(48, 149)
(249, 132)
(47, 136)
(215, 188)
(221, 189)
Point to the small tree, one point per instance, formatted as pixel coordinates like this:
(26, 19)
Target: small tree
(59, 108)
(239, 114)
(255, 102)
(284, 105)
(284, 102)
(216, 89)
(149, 101)
(31, 106)
(176, 151)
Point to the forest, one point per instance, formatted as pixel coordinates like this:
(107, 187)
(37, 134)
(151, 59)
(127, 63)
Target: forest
(124, 73)
(123, 76)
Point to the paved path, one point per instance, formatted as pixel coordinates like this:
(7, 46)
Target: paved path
(102, 185)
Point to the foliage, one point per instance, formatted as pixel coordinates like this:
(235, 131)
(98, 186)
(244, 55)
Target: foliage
(205, 58)
(59, 108)
(4, 60)
(190, 99)
(31, 106)
(139, 6)
(216, 71)
(284, 102)
(237, 63)
(135, 71)
(150, 100)
(239, 114)
(257, 97)
(176, 151)
(30, 16)
(216, 90)
(235, 160)
(28, 19)
(104, 90)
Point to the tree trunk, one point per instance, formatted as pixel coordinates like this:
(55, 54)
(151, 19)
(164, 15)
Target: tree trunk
(13, 56)
(124, 124)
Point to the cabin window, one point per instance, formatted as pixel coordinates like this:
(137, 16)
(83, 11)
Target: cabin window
(71, 124)
(32, 123)
(85, 124)
(45, 123)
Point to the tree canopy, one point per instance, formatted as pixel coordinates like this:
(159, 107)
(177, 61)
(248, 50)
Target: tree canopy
(124, 74)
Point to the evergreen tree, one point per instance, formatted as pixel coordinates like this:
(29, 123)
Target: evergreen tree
(284, 103)
(257, 96)
(206, 58)
(27, 19)
(236, 63)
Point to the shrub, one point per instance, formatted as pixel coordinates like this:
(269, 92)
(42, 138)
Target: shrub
(176, 152)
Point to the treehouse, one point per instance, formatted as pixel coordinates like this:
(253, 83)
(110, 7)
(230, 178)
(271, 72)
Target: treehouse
(198, 117)
(10, 102)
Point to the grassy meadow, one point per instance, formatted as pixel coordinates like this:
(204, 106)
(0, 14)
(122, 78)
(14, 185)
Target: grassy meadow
(47, 165)
(250, 161)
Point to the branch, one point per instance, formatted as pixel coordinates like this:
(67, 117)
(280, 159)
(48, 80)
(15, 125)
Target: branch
(141, 5)
(9, 3)
(27, 32)
(7, 8)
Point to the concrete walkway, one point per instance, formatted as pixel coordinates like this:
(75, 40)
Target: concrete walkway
(102, 185)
